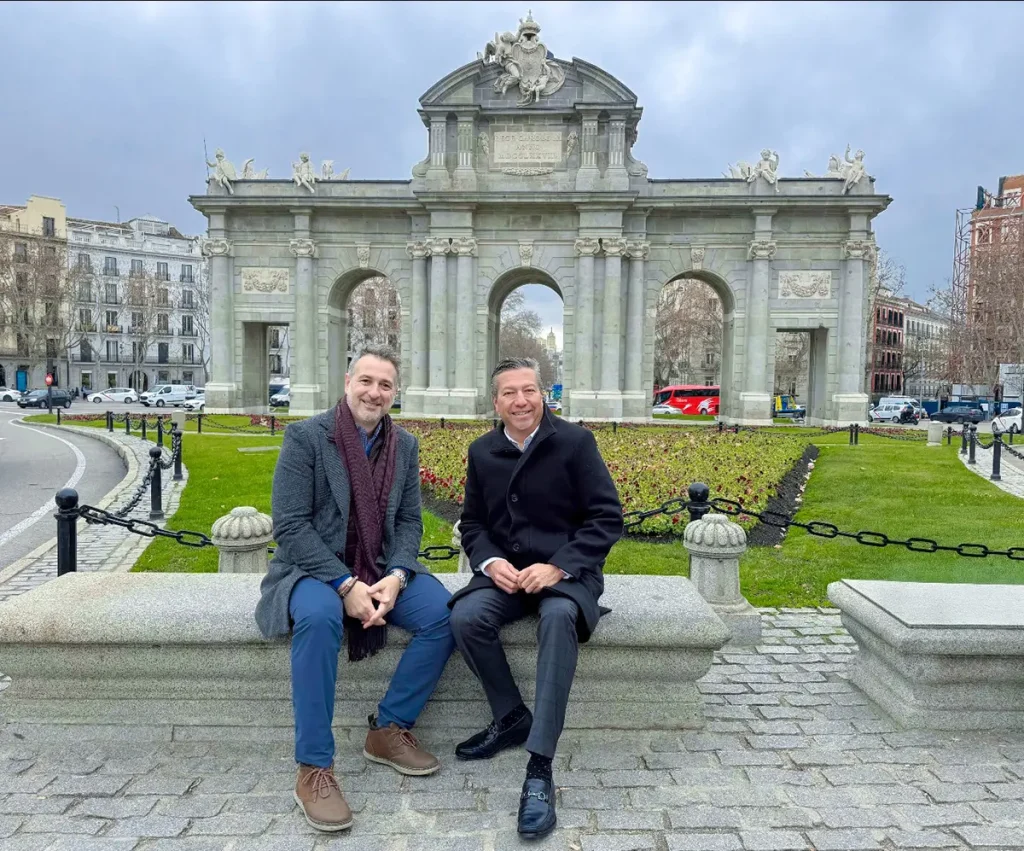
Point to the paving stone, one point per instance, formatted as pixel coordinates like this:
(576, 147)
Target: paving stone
(842, 840)
(639, 842)
(94, 784)
(155, 784)
(34, 804)
(150, 826)
(952, 793)
(773, 840)
(187, 843)
(30, 842)
(680, 760)
(225, 783)
(937, 815)
(230, 825)
(703, 842)
(702, 816)
(629, 820)
(991, 837)
(85, 826)
(199, 806)
(781, 776)
(115, 808)
(103, 843)
(858, 774)
(970, 773)
(636, 778)
(926, 840)
(1003, 812)
(594, 799)
(839, 817)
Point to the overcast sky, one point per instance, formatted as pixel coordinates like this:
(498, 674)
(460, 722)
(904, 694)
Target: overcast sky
(109, 104)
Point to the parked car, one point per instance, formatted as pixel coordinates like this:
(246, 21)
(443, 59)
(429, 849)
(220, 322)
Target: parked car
(902, 400)
(1008, 421)
(9, 394)
(198, 403)
(38, 398)
(887, 412)
(165, 394)
(114, 394)
(959, 414)
(555, 405)
(664, 409)
(279, 400)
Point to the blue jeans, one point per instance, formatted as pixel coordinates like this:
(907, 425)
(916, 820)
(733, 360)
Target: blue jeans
(422, 609)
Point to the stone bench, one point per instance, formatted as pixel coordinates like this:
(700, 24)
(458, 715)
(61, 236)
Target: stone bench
(184, 649)
(944, 656)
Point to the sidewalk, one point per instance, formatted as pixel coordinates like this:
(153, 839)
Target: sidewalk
(792, 757)
(99, 547)
(1011, 468)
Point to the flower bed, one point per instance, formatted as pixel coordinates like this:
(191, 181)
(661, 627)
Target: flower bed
(648, 464)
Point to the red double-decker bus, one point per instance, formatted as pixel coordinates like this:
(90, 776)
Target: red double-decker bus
(689, 398)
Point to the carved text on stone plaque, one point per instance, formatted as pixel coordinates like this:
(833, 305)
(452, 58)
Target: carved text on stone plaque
(805, 284)
(265, 280)
(527, 147)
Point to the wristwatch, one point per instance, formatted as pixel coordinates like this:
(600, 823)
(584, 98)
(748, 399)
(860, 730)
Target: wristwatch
(403, 577)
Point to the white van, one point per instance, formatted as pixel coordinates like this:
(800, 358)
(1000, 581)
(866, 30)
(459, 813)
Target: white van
(165, 394)
(902, 400)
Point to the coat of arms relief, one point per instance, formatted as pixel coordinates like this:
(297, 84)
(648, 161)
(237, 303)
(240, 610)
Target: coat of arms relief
(525, 62)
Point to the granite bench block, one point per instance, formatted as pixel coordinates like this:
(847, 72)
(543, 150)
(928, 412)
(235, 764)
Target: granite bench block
(184, 649)
(945, 656)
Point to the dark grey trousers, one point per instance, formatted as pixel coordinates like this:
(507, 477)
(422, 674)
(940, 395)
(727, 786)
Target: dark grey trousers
(475, 622)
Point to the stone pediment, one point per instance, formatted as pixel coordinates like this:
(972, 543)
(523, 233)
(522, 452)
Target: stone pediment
(473, 85)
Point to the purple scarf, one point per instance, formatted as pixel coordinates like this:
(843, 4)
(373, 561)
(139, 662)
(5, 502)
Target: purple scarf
(371, 480)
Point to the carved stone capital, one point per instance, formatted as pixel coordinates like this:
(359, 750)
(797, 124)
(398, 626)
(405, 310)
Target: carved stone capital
(302, 247)
(525, 252)
(697, 257)
(464, 246)
(614, 246)
(216, 247)
(437, 246)
(761, 249)
(639, 249)
(859, 249)
(587, 246)
(417, 249)
(363, 255)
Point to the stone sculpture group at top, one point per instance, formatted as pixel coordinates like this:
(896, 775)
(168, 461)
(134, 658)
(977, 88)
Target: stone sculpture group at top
(848, 169)
(525, 62)
(303, 172)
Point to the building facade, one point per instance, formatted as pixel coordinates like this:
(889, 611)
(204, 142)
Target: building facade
(886, 352)
(909, 351)
(142, 305)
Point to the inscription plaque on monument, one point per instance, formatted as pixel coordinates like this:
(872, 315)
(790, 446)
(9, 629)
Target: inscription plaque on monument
(524, 146)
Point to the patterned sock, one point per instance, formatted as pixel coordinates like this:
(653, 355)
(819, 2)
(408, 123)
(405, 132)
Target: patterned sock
(539, 767)
(513, 717)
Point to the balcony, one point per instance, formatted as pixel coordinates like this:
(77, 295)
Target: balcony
(85, 357)
(110, 358)
(112, 299)
(110, 273)
(164, 331)
(114, 329)
(187, 305)
(162, 276)
(187, 333)
(88, 327)
(186, 279)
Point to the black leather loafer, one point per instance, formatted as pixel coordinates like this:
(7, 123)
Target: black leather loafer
(494, 739)
(536, 809)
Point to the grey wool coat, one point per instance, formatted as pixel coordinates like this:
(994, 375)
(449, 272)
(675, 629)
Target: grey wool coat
(310, 505)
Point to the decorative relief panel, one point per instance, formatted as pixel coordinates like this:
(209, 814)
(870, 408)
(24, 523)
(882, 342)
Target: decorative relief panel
(363, 255)
(525, 252)
(302, 247)
(260, 280)
(696, 257)
(216, 248)
(761, 249)
(513, 147)
(805, 284)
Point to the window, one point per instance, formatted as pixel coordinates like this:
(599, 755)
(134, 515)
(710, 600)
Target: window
(186, 273)
(138, 352)
(111, 379)
(87, 380)
(186, 376)
(138, 321)
(187, 353)
(161, 354)
(163, 376)
(85, 352)
(85, 291)
(186, 299)
(21, 252)
(161, 324)
(50, 251)
(84, 262)
(112, 326)
(1011, 199)
(110, 294)
(275, 338)
(85, 319)
(162, 298)
(983, 235)
(161, 272)
(51, 349)
(709, 358)
(136, 268)
(275, 364)
(48, 226)
(187, 329)
(110, 266)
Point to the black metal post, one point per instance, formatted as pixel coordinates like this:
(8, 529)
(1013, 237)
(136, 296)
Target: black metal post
(127, 423)
(949, 435)
(851, 434)
(442, 422)
(721, 426)
(160, 431)
(273, 425)
(1011, 438)
(698, 507)
(736, 429)
(177, 439)
(199, 424)
(67, 530)
(856, 434)
(997, 457)
(143, 427)
(615, 427)
(156, 495)
(110, 421)
(49, 398)
(963, 440)
(971, 443)
(58, 416)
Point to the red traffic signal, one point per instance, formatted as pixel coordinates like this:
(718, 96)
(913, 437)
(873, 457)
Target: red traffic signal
(49, 379)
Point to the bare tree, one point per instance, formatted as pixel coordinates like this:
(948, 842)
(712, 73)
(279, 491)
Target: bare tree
(37, 301)
(792, 354)
(519, 336)
(147, 308)
(687, 333)
(374, 315)
(202, 301)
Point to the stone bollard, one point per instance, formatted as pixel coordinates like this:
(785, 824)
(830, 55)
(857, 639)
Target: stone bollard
(241, 538)
(715, 544)
(934, 433)
(457, 543)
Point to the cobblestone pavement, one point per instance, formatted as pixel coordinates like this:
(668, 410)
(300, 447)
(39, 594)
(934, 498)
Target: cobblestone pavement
(108, 548)
(1011, 469)
(792, 757)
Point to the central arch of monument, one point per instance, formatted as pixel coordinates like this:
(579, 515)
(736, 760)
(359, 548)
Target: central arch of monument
(530, 178)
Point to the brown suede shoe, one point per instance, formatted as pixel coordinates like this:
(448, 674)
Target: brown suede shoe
(318, 794)
(398, 748)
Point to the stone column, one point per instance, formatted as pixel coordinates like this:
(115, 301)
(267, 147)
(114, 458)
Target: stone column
(437, 171)
(583, 372)
(755, 399)
(438, 359)
(304, 388)
(616, 176)
(715, 545)
(222, 387)
(419, 313)
(638, 252)
(465, 320)
(850, 402)
(241, 539)
(588, 174)
(465, 173)
(611, 335)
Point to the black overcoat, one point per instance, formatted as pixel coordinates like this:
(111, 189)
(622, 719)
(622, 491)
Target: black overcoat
(554, 503)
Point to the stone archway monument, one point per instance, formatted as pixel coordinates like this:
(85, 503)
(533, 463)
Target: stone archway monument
(530, 177)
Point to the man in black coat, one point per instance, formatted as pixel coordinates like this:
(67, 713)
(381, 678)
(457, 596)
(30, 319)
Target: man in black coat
(540, 514)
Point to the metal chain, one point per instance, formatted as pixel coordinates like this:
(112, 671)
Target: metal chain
(139, 491)
(278, 426)
(143, 527)
(632, 519)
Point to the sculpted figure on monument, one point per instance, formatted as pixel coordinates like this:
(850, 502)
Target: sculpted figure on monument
(850, 171)
(223, 171)
(767, 167)
(250, 173)
(302, 173)
(525, 62)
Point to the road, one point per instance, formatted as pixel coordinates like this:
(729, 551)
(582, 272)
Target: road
(36, 463)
